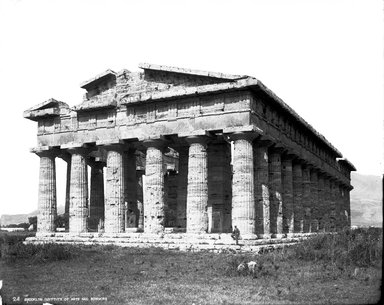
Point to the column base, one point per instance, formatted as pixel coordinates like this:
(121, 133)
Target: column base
(265, 236)
(279, 236)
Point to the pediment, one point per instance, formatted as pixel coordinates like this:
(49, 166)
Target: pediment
(48, 108)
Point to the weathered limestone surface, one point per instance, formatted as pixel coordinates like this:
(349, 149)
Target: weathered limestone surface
(290, 180)
(96, 202)
(114, 191)
(298, 208)
(78, 209)
(243, 185)
(47, 193)
(306, 199)
(276, 192)
(287, 181)
(262, 194)
(130, 189)
(197, 193)
(314, 187)
(154, 200)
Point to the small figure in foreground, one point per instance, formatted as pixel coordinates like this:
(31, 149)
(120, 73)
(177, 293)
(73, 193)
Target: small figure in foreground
(236, 235)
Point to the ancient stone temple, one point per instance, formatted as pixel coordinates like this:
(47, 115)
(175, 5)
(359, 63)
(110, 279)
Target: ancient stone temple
(179, 151)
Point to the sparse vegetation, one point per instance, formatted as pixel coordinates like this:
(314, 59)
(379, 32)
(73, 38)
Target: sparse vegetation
(325, 269)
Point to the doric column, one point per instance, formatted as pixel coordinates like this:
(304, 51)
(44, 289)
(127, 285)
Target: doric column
(140, 203)
(182, 186)
(114, 191)
(339, 207)
(78, 205)
(327, 205)
(243, 184)
(96, 200)
(276, 192)
(154, 201)
(306, 199)
(314, 200)
(322, 203)
(130, 189)
(47, 193)
(262, 203)
(332, 205)
(197, 192)
(67, 193)
(348, 205)
(298, 209)
(287, 182)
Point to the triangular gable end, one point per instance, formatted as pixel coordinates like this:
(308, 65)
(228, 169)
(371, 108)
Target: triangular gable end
(48, 108)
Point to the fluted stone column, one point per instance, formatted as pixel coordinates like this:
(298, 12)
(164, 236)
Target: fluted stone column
(78, 206)
(314, 200)
(130, 189)
(262, 203)
(67, 194)
(306, 199)
(96, 201)
(327, 205)
(332, 205)
(298, 209)
(47, 193)
(197, 192)
(154, 200)
(322, 203)
(287, 181)
(243, 184)
(276, 192)
(339, 208)
(182, 186)
(114, 191)
(140, 203)
(348, 205)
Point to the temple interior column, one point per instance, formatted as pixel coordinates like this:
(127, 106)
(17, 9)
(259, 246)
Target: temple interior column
(314, 200)
(78, 207)
(219, 187)
(96, 201)
(276, 192)
(140, 201)
(47, 205)
(262, 204)
(130, 189)
(306, 199)
(154, 199)
(197, 191)
(298, 209)
(287, 182)
(243, 184)
(182, 186)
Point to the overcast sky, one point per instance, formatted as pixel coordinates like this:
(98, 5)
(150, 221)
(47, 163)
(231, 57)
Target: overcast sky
(323, 58)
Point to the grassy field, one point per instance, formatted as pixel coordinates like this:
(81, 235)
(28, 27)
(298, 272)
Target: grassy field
(338, 269)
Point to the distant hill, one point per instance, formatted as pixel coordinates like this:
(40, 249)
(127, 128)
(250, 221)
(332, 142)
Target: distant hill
(366, 200)
(6, 219)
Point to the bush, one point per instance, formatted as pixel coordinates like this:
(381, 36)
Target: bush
(360, 247)
(12, 249)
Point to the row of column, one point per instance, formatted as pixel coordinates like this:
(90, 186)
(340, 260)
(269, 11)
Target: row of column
(273, 193)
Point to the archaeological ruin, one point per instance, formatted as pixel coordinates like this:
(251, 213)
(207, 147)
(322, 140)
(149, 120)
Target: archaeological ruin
(178, 155)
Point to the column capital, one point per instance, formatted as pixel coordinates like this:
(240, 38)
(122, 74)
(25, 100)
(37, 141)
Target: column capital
(46, 151)
(197, 139)
(242, 135)
(157, 143)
